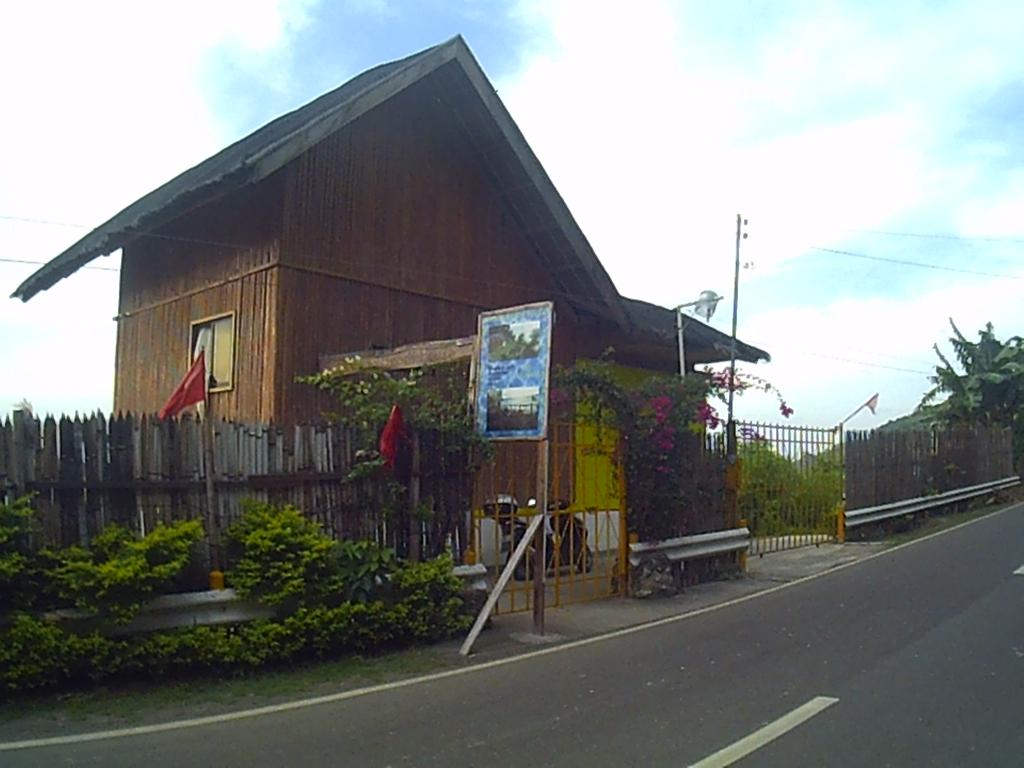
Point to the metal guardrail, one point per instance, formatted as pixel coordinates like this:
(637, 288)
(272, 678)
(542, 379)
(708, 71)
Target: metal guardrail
(186, 609)
(856, 517)
(693, 547)
(213, 607)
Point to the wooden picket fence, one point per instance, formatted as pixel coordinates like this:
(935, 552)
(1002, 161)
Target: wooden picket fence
(887, 466)
(139, 471)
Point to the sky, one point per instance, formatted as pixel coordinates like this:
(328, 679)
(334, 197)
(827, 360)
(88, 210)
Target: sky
(854, 137)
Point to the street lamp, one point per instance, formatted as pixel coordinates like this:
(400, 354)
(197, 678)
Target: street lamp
(704, 307)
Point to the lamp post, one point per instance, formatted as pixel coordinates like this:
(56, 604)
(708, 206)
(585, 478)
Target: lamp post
(704, 307)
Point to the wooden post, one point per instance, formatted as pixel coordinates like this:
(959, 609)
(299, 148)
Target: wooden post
(541, 538)
(19, 464)
(212, 532)
(414, 499)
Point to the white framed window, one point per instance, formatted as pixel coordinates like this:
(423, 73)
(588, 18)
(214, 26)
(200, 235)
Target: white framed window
(215, 336)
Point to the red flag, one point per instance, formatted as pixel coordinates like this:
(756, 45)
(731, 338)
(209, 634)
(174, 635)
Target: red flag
(191, 390)
(393, 432)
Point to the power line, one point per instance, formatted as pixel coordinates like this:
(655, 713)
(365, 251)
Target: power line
(939, 236)
(859, 362)
(30, 261)
(29, 220)
(151, 235)
(921, 264)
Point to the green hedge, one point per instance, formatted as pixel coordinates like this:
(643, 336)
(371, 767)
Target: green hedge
(423, 606)
(332, 598)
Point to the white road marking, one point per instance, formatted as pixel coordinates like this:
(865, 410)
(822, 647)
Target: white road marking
(762, 736)
(288, 706)
(1019, 571)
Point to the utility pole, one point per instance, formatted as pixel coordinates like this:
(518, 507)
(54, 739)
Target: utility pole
(731, 438)
(732, 467)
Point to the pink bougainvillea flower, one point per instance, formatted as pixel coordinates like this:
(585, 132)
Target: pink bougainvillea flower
(662, 406)
(707, 415)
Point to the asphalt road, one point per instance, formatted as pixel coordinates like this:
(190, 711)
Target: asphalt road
(922, 648)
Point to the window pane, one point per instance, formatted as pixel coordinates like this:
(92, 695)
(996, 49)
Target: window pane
(223, 351)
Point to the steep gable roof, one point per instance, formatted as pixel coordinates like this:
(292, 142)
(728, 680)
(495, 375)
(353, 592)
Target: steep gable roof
(521, 179)
(518, 175)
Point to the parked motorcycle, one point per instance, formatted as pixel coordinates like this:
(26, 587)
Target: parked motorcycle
(567, 541)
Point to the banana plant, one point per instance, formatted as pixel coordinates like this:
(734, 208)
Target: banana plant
(987, 385)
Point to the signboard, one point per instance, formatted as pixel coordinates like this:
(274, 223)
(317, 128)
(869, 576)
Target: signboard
(513, 368)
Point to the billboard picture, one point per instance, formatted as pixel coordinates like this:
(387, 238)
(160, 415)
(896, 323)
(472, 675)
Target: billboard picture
(513, 368)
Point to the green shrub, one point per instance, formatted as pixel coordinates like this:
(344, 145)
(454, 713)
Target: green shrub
(32, 654)
(283, 558)
(428, 597)
(23, 582)
(422, 605)
(362, 567)
(119, 573)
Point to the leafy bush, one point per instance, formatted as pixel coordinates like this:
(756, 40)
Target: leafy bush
(423, 604)
(23, 583)
(427, 595)
(285, 559)
(120, 573)
(32, 654)
(363, 566)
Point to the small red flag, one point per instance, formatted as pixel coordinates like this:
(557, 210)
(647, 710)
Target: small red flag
(191, 390)
(393, 432)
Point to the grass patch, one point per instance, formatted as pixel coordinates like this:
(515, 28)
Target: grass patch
(128, 704)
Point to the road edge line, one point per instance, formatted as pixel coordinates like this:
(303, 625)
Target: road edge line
(288, 706)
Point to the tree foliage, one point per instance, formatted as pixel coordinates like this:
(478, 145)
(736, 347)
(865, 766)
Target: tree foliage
(986, 388)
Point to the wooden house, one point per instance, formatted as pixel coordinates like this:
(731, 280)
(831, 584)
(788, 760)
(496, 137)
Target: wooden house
(390, 210)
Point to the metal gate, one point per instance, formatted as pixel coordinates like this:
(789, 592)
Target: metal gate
(585, 530)
(791, 484)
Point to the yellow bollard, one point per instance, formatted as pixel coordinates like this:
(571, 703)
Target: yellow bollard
(841, 522)
(216, 580)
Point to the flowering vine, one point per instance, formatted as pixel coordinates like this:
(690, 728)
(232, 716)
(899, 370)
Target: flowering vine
(719, 384)
(662, 422)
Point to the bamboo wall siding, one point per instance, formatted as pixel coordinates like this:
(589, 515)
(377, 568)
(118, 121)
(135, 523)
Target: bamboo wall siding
(400, 199)
(218, 242)
(217, 260)
(153, 353)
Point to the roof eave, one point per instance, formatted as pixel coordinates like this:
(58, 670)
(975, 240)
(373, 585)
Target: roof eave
(134, 220)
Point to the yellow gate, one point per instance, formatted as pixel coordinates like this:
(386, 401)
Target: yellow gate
(791, 484)
(585, 534)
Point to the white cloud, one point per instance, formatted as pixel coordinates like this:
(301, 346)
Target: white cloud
(107, 102)
(661, 121)
(815, 349)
